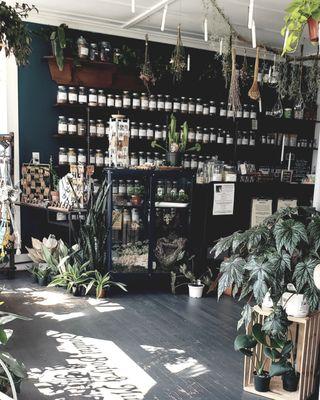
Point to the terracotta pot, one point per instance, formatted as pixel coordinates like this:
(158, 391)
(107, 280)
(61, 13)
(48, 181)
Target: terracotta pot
(101, 294)
(136, 200)
(55, 196)
(313, 26)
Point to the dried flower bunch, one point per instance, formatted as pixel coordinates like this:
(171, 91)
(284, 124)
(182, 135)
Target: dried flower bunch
(146, 73)
(234, 91)
(178, 59)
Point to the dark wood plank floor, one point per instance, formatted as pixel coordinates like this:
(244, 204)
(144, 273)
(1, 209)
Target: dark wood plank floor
(135, 346)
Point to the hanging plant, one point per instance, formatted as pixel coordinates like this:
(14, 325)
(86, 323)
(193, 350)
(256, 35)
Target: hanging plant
(254, 92)
(15, 37)
(146, 74)
(312, 80)
(283, 82)
(294, 85)
(244, 71)
(58, 44)
(234, 92)
(178, 59)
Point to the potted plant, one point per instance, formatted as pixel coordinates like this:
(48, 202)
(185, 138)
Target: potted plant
(42, 274)
(300, 13)
(136, 194)
(54, 193)
(102, 283)
(58, 44)
(33, 271)
(177, 143)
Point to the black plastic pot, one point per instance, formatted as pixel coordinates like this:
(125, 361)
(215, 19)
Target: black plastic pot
(290, 381)
(78, 291)
(173, 158)
(261, 382)
(34, 279)
(42, 281)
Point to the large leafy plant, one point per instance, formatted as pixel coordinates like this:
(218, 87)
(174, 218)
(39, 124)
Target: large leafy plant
(283, 250)
(298, 13)
(72, 274)
(15, 37)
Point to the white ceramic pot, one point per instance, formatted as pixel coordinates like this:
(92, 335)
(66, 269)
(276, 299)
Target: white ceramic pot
(316, 276)
(267, 301)
(295, 305)
(195, 291)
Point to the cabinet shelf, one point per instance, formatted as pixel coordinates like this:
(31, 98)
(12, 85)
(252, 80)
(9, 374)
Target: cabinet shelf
(170, 204)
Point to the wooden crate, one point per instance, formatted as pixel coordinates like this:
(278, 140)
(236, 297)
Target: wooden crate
(305, 332)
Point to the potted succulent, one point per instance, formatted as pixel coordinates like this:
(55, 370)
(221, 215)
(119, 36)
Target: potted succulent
(300, 13)
(176, 142)
(136, 194)
(102, 283)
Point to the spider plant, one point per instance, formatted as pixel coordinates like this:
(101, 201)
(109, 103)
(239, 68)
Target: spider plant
(101, 283)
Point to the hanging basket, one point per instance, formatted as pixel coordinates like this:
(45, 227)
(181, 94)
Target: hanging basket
(313, 26)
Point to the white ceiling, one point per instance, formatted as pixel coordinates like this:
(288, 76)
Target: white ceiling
(115, 17)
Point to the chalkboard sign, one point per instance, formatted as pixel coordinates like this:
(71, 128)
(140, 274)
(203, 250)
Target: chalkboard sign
(300, 170)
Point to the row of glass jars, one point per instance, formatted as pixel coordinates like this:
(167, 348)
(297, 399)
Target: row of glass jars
(69, 156)
(125, 187)
(78, 126)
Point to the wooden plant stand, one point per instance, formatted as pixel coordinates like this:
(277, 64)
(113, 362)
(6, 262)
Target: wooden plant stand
(305, 333)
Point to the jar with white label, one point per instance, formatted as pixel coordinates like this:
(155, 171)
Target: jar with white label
(239, 138)
(186, 161)
(253, 112)
(200, 162)
(230, 112)
(184, 105)
(152, 102)
(142, 158)
(144, 102)
(102, 100)
(93, 98)
(157, 132)
(239, 113)
(82, 159)
(135, 101)
(118, 101)
(72, 126)
(92, 157)
(62, 95)
(110, 100)
(107, 131)
(134, 131)
(229, 138)
(150, 133)
(176, 105)
(99, 158)
(223, 109)
(92, 128)
(72, 156)
(206, 135)
(62, 125)
(82, 96)
(199, 135)
(122, 187)
(213, 135)
(126, 99)
(150, 159)
(81, 127)
(220, 136)
(106, 159)
(100, 128)
(160, 102)
(63, 156)
(194, 162)
(252, 138)
(212, 108)
(72, 95)
(168, 103)
(245, 111)
(134, 161)
(205, 109)
(191, 135)
(164, 132)
(199, 106)
(245, 138)
(142, 130)
(83, 49)
(157, 159)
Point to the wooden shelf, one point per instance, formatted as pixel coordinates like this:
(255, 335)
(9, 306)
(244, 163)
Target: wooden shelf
(276, 391)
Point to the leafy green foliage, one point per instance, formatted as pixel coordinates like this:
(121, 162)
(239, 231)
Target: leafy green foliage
(59, 43)
(288, 233)
(276, 324)
(231, 274)
(246, 316)
(100, 282)
(314, 232)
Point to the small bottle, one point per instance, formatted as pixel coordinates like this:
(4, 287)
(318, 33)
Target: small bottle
(72, 126)
(199, 106)
(184, 105)
(245, 111)
(144, 102)
(126, 100)
(93, 99)
(72, 95)
(63, 156)
(168, 103)
(134, 161)
(160, 103)
(150, 133)
(106, 159)
(191, 135)
(223, 109)
(122, 187)
(199, 135)
(99, 158)
(164, 132)
(82, 159)
(118, 101)
(142, 130)
(150, 159)
(157, 132)
(62, 95)
(239, 138)
(229, 138)
(176, 105)
(245, 139)
(186, 161)
(239, 113)
(72, 156)
(81, 127)
(206, 135)
(152, 102)
(100, 128)
(220, 136)
(110, 100)
(134, 131)
(92, 128)
(82, 95)
(142, 158)
(92, 157)
(253, 112)
(135, 101)
(194, 162)
(205, 109)
(230, 111)
(212, 108)
(213, 135)
(62, 125)
(252, 139)
(191, 106)
(102, 100)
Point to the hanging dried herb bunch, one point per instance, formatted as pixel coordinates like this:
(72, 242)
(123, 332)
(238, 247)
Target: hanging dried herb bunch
(234, 92)
(294, 84)
(254, 91)
(283, 82)
(146, 74)
(178, 59)
(312, 80)
(244, 71)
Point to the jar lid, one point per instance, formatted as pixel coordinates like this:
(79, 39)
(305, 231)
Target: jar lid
(167, 96)
(101, 91)
(71, 88)
(199, 99)
(92, 90)
(135, 94)
(141, 123)
(92, 121)
(212, 102)
(62, 149)
(71, 149)
(61, 87)
(148, 153)
(99, 121)
(183, 98)
(62, 116)
(125, 92)
(93, 44)
(164, 126)
(157, 126)
(190, 98)
(98, 150)
(141, 152)
(118, 96)
(110, 95)
(80, 120)
(81, 150)
(143, 94)
(149, 124)
(71, 119)
(82, 87)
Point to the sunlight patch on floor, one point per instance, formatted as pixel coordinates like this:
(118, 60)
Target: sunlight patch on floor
(104, 305)
(50, 298)
(93, 368)
(59, 317)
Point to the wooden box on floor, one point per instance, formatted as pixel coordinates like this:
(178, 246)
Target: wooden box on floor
(305, 332)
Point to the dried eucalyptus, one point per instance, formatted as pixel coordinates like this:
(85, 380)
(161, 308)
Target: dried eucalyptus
(244, 71)
(234, 92)
(178, 59)
(146, 74)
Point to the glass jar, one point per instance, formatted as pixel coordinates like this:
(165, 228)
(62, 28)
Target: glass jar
(199, 135)
(92, 128)
(81, 127)
(63, 156)
(99, 158)
(213, 135)
(200, 162)
(118, 101)
(184, 105)
(62, 95)
(117, 55)
(72, 126)
(287, 113)
(107, 131)
(134, 131)
(160, 102)
(82, 159)
(122, 187)
(142, 130)
(157, 159)
(93, 51)
(212, 108)
(62, 125)
(150, 132)
(93, 99)
(205, 109)
(102, 100)
(186, 161)
(168, 103)
(217, 172)
(72, 155)
(126, 100)
(191, 135)
(253, 112)
(223, 109)
(229, 173)
(239, 113)
(110, 100)
(157, 132)
(152, 102)
(105, 51)
(239, 138)
(230, 112)
(263, 139)
(245, 111)
(176, 105)
(82, 96)
(135, 101)
(144, 102)
(199, 106)
(252, 139)
(134, 161)
(194, 162)
(245, 138)
(206, 135)
(220, 136)
(142, 158)
(150, 159)
(160, 189)
(106, 159)
(92, 157)
(100, 128)
(229, 138)
(191, 106)
(72, 95)
(130, 186)
(164, 132)
(83, 49)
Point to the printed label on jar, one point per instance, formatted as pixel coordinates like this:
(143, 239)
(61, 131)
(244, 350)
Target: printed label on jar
(229, 141)
(223, 113)
(199, 137)
(194, 164)
(126, 102)
(213, 110)
(72, 128)
(92, 160)
(220, 139)
(82, 98)
(93, 130)
(62, 96)
(160, 105)
(134, 132)
(99, 161)
(187, 164)
(206, 138)
(213, 138)
(144, 103)
(253, 115)
(82, 159)
(110, 102)
(118, 103)
(62, 128)
(239, 114)
(142, 133)
(134, 162)
(63, 159)
(168, 106)
(92, 98)
(73, 97)
(164, 135)
(246, 114)
(72, 159)
(102, 100)
(152, 105)
(191, 136)
(206, 111)
(230, 113)
(184, 107)
(158, 135)
(136, 103)
(176, 106)
(252, 142)
(239, 141)
(149, 133)
(199, 108)
(245, 141)
(84, 51)
(100, 131)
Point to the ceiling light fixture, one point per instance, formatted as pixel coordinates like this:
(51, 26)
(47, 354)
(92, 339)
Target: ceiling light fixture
(205, 26)
(164, 15)
(254, 38)
(221, 44)
(188, 62)
(133, 6)
(250, 14)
